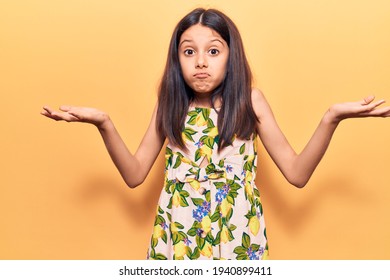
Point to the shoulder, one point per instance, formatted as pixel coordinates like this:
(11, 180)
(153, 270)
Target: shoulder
(257, 96)
(259, 103)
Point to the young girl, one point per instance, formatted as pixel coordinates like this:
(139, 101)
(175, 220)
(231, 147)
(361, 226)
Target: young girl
(208, 111)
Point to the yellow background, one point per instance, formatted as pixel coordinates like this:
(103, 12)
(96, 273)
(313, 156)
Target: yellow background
(62, 198)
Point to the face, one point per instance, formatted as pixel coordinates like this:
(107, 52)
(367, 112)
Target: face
(203, 56)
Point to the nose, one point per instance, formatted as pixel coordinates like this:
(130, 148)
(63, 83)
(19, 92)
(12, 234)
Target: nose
(201, 61)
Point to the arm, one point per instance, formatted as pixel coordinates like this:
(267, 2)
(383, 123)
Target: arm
(133, 168)
(298, 168)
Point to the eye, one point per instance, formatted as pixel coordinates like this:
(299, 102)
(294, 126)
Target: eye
(214, 51)
(189, 52)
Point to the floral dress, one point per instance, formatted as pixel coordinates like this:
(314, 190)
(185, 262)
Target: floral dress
(209, 207)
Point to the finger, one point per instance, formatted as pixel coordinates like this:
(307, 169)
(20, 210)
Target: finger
(47, 112)
(51, 116)
(380, 102)
(372, 106)
(381, 112)
(47, 109)
(74, 111)
(63, 116)
(367, 100)
(44, 113)
(377, 112)
(66, 108)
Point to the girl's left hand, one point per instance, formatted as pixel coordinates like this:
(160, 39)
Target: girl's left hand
(360, 109)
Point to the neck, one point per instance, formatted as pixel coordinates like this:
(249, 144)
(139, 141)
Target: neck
(204, 100)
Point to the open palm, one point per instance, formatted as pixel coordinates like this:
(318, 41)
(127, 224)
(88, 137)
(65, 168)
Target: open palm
(359, 109)
(76, 114)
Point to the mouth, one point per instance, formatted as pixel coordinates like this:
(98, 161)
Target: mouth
(201, 75)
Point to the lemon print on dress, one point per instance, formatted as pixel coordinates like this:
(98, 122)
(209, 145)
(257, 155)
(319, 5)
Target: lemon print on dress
(200, 121)
(248, 189)
(248, 183)
(265, 255)
(180, 249)
(206, 224)
(207, 250)
(254, 225)
(205, 151)
(158, 231)
(174, 228)
(250, 158)
(195, 184)
(186, 160)
(184, 137)
(176, 199)
(224, 234)
(225, 207)
(213, 132)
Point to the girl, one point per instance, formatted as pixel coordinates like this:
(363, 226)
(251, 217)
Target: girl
(208, 111)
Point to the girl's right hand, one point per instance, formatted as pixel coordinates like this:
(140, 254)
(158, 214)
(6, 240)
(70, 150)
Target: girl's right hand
(77, 114)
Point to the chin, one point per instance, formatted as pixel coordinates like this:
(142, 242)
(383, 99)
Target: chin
(203, 90)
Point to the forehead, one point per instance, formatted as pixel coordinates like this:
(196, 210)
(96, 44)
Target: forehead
(200, 33)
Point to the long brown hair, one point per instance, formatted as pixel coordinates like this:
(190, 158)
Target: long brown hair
(236, 115)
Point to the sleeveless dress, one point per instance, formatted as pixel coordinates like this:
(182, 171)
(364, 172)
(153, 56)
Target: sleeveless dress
(209, 207)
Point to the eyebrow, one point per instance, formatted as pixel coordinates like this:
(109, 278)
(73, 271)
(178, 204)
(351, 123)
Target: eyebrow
(211, 41)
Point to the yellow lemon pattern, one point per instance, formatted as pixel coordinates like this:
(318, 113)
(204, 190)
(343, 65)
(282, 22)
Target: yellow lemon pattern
(254, 225)
(158, 231)
(180, 249)
(209, 207)
(207, 250)
(206, 224)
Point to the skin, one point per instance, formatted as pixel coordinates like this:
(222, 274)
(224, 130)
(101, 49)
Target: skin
(203, 56)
